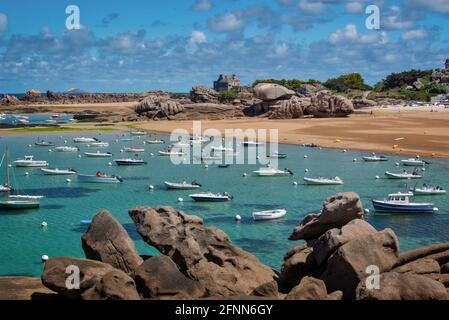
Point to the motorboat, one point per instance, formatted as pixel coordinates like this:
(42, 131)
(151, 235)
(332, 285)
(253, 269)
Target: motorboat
(277, 155)
(374, 158)
(84, 140)
(127, 149)
(129, 162)
(99, 178)
(183, 185)
(180, 144)
(224, 165)
(400, 203)
(269, 214)
(67, 149)
(403, 175)
(426, 190)
(252, 143)
(100, 144)
(5, 188)
(198, 139)
(323, 181)
(127, 139)
(209, 158)
(28, 161)
(19, 204)
(155, 141)
(98, 154)
(169, 152)
(43, 143)
(414, 162)
(221, 149)
(138, 133)
(210, 197)
(58, 172)
(272, 172)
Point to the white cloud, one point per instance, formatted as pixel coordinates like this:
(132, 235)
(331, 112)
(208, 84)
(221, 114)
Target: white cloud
(196, 38)
(354, 7)
(441, 6)
(203, 5)
(311, 6)
(393, 20)
(281, 49)
(350, 34)
(226, 22)
(3, 23)
(414, 35)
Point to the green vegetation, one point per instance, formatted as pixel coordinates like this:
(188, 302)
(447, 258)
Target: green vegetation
(403, 79)
(351, 81)
(292, 84)
(229, 95)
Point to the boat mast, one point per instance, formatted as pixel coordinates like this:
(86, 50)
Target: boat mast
(8, 185)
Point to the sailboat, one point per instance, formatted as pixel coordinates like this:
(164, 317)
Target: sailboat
(28, 202)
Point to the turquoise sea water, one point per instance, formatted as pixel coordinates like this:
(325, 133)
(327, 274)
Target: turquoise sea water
(34, 118)
(23, 241)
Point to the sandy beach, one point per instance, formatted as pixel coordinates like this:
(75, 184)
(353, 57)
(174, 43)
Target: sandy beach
(408, 131)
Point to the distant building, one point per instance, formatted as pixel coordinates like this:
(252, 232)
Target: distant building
(226, 82)
(440, 99)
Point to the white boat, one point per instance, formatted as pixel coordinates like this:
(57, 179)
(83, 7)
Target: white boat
(171, 153)
(428, 191)
(252, 143)
(100, 144)
(278, 155)
(57, 171)
(138, 133)
(210, 197)
(98, 154)
(323, 181)
(221, 148)
(127, 149)
(43, 143)
(181, 145)
(198, 139)
(272, 172)
(374, 158)
(403, 175)
(129, 162)
(99, 178)
(28, 161)
(209, 158)
(67, 149)
(269, 214)
(414, 162)
(20, 196)
(155, 141)
(23, 121)
(84, 140)
(400, 203)
(182, 186)
(5, 188)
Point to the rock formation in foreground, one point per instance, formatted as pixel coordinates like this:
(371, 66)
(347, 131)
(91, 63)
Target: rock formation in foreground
(344, 257)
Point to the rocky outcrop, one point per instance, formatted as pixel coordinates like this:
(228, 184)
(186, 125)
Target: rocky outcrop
(271, 91)
(9, 100)
(308, 289)
(208, 111)
(107, 241)
(56, 272)
(159, 278)
(33, 93)
(361, 103)
(203, 94)
(309, 90)
(337, 211)
(335, 238)
(299, 262)
(420, 266)
(350, 263)
(325, 104)
(114, 285)
(158, 106)
(402, 286)
(24, 288)
(440, 76)
(204, 254)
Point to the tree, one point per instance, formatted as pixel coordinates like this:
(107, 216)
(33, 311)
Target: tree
(346, 82)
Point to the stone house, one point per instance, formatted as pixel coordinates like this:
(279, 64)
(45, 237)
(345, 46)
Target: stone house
(226, 82)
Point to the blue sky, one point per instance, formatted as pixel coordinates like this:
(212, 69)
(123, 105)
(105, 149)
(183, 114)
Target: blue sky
(173, 44)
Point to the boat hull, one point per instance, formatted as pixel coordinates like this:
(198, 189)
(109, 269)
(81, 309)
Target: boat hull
(97, 155)
(127, 163)
(57, 172)
(269, 215)
(19, 205)
(95, 179)
(31, 165)
(180, 186)
(382, 206)
(322, 183)
(399, 176)
(370, 159)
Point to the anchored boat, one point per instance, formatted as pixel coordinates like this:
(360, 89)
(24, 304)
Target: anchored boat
(400, 203)
(127, 149)
(183, 185)
(428, 191)
(272, 172)
(374, 158)
(98, 154)
(67, 149)
(269, 214)
(84, 140)
(252, 143)
(403, 175)
(155, 141)
(277, 155)
(169, 152)
(100, 144)
(414, 162)
(58, 172)
(99, 178)
(323, 181)
(28, 161)
(130, 162)
(43, 143)
(211, 197)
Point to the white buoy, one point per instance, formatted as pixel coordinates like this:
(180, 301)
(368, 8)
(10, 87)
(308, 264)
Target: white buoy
(423, 169)
(44, 258)
(109, 163)
(68, 181)
(377, 177)
(50, 150)
(29, 145)
(206, 166)
(306, 170)
(245, 174)
(344, 150)
(180, 199)
(238, 217)
(27, 173)
(366, 210)
(44, 224)
(79, 156)
(397, 164)
(435, 209)
(417, 156)
(9, 165)
(151, 187)
(65, 141)
(121, 150)
(295, 183)
(354, 160)
(151, 154)
(305, 156)
(144, 142)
